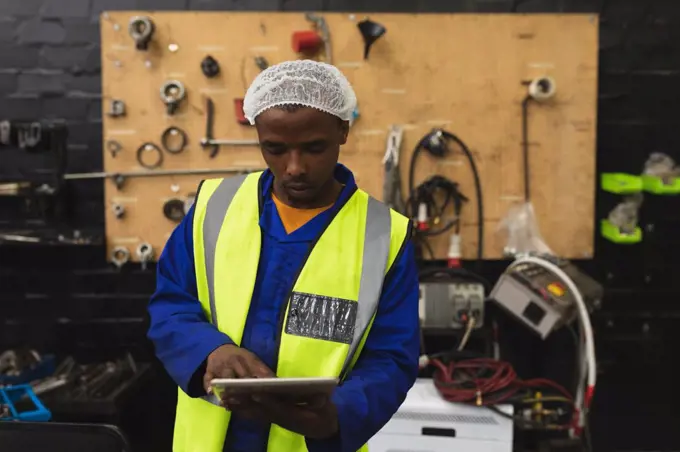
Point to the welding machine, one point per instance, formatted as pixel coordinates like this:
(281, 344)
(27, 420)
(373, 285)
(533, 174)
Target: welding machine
(540, 297)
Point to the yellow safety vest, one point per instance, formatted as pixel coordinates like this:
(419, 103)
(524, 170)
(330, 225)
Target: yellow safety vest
(344, 271)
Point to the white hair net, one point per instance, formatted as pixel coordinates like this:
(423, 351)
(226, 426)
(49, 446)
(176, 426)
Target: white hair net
(301, 82)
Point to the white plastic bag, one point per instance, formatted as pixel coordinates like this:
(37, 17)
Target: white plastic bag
(662, 166)
(523, 235)
(625, 215)
(659, 164)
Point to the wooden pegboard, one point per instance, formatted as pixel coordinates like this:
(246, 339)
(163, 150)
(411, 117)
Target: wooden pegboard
(464, 73)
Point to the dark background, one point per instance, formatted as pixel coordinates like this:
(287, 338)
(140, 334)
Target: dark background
(66, 299)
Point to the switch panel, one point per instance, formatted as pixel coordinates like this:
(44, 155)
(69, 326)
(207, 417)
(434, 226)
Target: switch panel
(446, 304)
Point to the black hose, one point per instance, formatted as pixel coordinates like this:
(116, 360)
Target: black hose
(478, 193)
(478, 187)
(426, 193)
(525, 147)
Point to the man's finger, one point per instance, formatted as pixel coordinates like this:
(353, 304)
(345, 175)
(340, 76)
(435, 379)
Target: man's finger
(257, 368)
(225, 372)
(240, 367)
(207, 378)
(265, 372)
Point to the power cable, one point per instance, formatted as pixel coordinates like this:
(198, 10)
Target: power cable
(436, 144)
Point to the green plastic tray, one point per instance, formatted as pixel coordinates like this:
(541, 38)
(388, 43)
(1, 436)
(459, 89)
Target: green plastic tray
(621, 183)
(654, 184)
(612, 233)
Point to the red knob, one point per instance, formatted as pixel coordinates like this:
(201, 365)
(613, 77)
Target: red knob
(307, 41)
(238, 111)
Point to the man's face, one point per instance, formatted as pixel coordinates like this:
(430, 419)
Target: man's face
(301, 148)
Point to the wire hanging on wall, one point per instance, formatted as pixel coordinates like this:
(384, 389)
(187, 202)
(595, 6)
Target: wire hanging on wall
(436, 143)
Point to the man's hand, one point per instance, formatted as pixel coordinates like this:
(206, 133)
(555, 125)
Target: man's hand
(315, 418)
(230, 361)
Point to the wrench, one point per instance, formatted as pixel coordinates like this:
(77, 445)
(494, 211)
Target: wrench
(212, 144)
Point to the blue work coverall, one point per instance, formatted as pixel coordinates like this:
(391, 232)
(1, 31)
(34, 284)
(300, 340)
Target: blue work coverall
(184, 338)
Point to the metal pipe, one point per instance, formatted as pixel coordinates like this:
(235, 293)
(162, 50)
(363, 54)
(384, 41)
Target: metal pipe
(151, 173)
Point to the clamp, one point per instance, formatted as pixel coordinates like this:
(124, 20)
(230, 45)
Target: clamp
(141, 29)
(172, 93)
(120, 256)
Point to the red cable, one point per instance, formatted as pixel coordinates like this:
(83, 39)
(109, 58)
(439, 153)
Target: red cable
(459, 382)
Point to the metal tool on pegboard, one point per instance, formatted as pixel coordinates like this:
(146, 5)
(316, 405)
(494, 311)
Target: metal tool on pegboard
(320, 23)
(392, 195)
(119, 179)
(212, 144)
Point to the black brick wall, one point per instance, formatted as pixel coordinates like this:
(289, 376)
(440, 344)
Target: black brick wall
(50, 69)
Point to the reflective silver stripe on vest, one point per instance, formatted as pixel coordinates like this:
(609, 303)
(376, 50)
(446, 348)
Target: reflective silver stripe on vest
(215, 211)
(376, 254)
(374, 264)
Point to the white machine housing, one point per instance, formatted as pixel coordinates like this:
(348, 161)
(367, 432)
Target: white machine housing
(427, 423)
(540, 298)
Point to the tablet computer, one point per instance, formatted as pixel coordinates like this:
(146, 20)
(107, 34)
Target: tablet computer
(284, 386)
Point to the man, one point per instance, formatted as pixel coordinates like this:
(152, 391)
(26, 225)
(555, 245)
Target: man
(293, 272)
